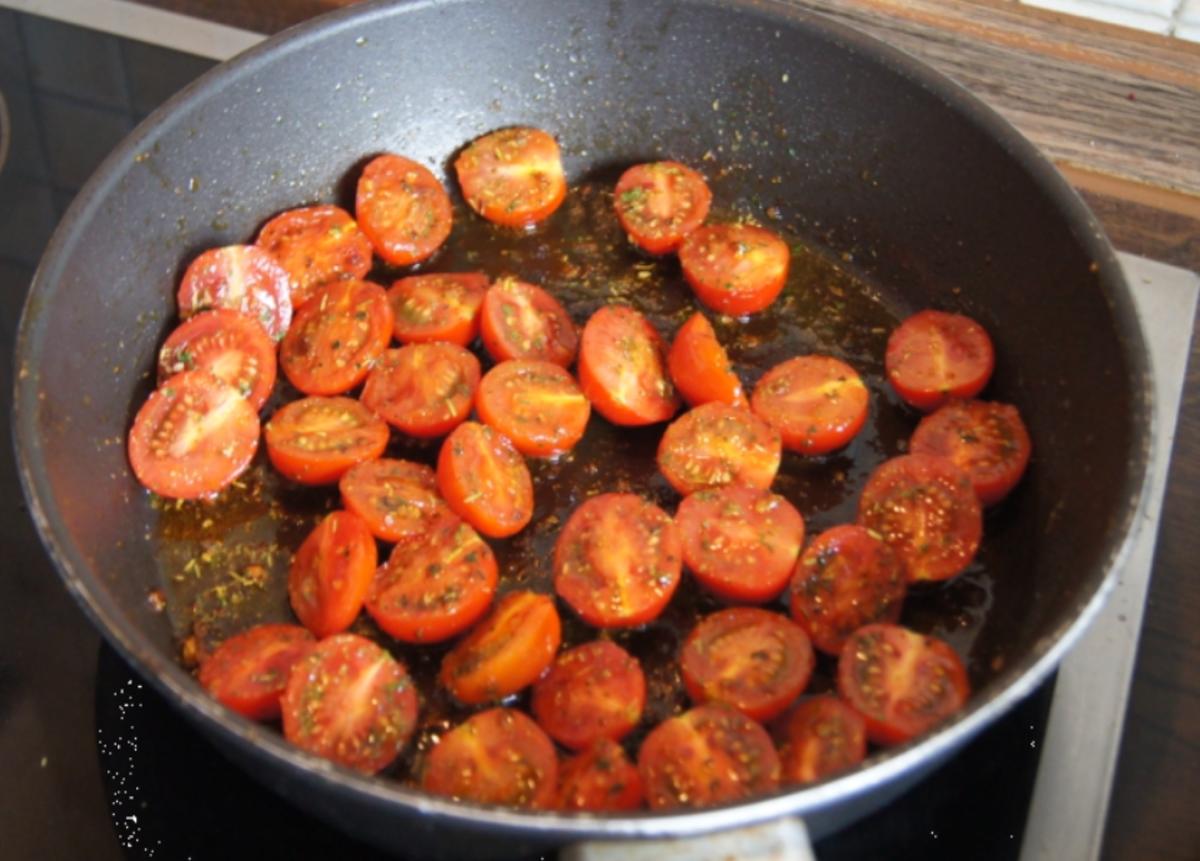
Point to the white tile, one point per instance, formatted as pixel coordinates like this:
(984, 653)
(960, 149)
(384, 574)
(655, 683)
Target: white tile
(1108, 14)
(1191, 32)
(1189, 12)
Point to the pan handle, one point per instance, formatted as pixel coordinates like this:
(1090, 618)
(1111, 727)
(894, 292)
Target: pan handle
(783, 839)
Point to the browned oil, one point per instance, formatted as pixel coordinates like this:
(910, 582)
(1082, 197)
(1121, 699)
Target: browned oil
(224, 563)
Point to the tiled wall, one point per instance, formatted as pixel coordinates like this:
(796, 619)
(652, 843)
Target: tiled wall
(1169, 17)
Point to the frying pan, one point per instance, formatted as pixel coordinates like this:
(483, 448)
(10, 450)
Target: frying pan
(853, 145)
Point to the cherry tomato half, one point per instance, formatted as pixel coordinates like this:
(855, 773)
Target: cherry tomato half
(901, 682)
(740, 542)
(192, 437)
(315, 440)
(316, 245)
(351, 702)
(441, 306)
(598, 779)
(822, 736)
(659, 203)
(987, 440)
(241, 278)
(700, 367)
(248, 672)
(424, 390)
(592, 692)
(817, 403)
(513, 177)
(522, 321)
(618, 560)
(402, 209)
(331, 573)
(934, 356)
(227, 344)
(845, 579)
(735, 268)
(926, 509)
(485, 481)
(537, 405)
(623, 368)
(397, 498)
(715, 444)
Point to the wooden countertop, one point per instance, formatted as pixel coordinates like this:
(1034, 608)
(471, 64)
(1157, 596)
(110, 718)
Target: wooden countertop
(1119, 113)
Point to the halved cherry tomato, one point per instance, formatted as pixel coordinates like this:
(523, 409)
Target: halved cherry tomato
(817, 403)
(192, 437)
(315, 440)
(700, 367)
(659, 203)
(436, 585)
(618, 560)
(623, 368)
(594, 691)
(485, 481)
(397, 498)
(498, 756)
(987, 440)
(248, 672)
(523, 321)
(336, 337)
(934, 356)
(402, 209)
(351, 702)
(901, 682)
(331, 573)
(241, 278)
(752, 659)
(845, 579)
(822, 736)
(925, 508)
(598, 779)
(316, 245)
(513, 177)
(705, 756)
(735, 268)
(505, 652)
(227, 344)
(424, 390)
(715, 444)
(740, 542)
(537, 405)
(440, 306)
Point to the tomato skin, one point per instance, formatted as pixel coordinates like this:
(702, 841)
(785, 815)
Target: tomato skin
(506, 652)
(926, 509)
(751, 659)
(659, 203)
(231, 346)
(398, 499)
(714, 444)
(331, 573)
(538, 405)
(402, 209)
(439, 306)
(600, 778)
(623, 368)
(817, 403)
(315, 440)
(512, 177)
(706, 756)
(350, 702)
(846, 578)
(593, 692)
(435, 585)
(901, 682)
(193, 437)
(987, 440)
(248, 672)
(735, 269)
(700, 367)
(822, 736)
(498, 756)
(740, 542)
(241, 278)
(935, 356)
(336, 337)
(485, 481)
(424, 390)
(618, 560)
(316, 245)
(519, 320)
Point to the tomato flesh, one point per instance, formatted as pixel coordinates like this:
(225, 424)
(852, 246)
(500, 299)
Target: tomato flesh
(735, 269)
(248, 672)
(987, 440)
(592, 692)
(522, 321)
(822, 736)
(700, 367)
(485, 481)
(623, 368)
(241, 278)
(316, 245)
(600, 778)
(402, 209)
(513, 177)
(659, 203)
(538, 405)
(424, 390)
(714, 444)
(315, 440)
(227, 344)
(438, 307)
(817, 403)
(331, 573)
(935, 356)
(398, 499)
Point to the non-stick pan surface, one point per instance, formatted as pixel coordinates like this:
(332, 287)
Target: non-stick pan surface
(856, 148)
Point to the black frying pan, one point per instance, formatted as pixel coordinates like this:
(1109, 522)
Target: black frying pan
(891, 169)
